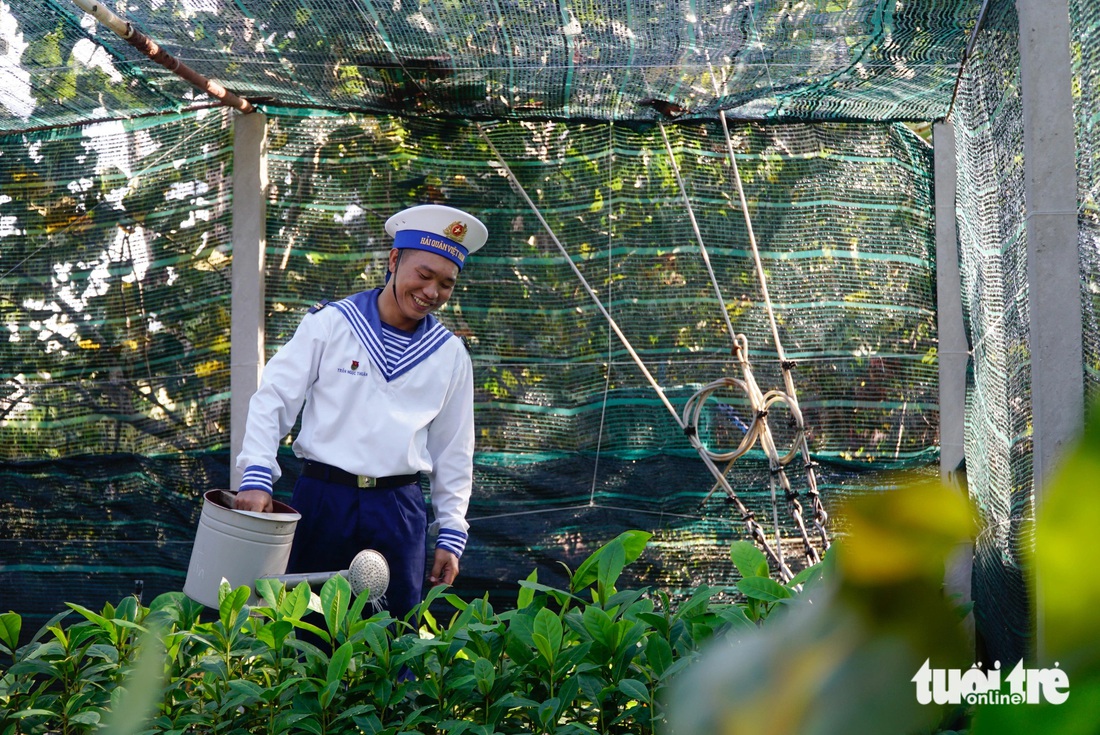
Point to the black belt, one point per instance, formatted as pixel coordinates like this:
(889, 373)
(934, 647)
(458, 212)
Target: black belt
(328, 473)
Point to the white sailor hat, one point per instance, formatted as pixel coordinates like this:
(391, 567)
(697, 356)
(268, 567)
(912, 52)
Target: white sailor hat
(438, 229)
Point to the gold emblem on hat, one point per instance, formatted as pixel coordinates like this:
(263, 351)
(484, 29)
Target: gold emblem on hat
(456, 231)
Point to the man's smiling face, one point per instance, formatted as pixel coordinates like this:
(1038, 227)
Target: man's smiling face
(420, 283)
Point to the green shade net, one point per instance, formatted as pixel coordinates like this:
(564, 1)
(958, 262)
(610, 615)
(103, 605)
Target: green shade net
(118, 291)
(1085, 57)
(994, 273)
(993, 256)
(115, 252)
(810, 60)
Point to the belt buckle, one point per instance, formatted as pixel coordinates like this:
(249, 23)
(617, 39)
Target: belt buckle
(365, 482)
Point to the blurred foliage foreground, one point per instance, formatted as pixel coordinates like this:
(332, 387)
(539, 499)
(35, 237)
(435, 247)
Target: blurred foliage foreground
(838, 650)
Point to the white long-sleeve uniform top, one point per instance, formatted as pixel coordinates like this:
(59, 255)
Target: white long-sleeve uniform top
(365, 417)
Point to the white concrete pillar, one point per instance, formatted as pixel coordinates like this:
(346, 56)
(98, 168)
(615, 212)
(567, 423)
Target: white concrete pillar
(953, 352)
(953, 349)
(1053, 271)
(246, 353)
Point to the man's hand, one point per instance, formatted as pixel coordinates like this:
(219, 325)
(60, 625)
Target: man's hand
(256, 500)
(444, 568)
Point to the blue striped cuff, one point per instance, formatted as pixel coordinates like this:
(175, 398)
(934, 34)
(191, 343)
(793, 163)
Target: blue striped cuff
(451, 540)
(256, 477)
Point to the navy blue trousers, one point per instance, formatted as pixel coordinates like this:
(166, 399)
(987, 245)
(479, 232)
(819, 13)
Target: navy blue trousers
(340, 521)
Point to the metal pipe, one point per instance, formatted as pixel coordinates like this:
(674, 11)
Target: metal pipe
(126, 31)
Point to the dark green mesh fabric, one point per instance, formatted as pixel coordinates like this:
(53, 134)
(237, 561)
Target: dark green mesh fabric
(115, 287)
(815, 60)
(114, 254)
(1085, 57)
(118, 326)
(993, 248)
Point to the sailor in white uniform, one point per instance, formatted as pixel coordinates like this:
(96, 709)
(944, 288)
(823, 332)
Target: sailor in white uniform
(386, 393)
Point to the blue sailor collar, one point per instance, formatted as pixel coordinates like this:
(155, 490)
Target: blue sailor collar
(361, 311)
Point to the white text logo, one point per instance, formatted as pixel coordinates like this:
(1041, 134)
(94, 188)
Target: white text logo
(975, 686)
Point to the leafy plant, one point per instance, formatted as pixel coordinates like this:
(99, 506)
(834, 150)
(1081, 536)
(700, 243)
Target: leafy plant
(590, 658)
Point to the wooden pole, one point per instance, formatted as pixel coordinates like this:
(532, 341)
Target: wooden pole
(126, 31)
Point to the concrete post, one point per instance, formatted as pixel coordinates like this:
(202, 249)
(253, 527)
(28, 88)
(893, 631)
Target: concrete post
(246, 353)
(953, 349)
(953, 352)
(1050, 199)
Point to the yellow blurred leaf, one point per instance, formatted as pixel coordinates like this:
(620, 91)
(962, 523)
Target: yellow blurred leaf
(903, 534)
(1067, 544)
(205, 369)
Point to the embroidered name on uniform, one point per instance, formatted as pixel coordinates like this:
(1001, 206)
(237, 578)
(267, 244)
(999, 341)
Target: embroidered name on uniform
(431, 242)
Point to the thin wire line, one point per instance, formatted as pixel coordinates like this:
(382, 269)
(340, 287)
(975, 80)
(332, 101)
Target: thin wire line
(607, 379)
(966, 57)
(699, 237)
(756, 531)
(580, 276)
(763, 58)
(590, 506)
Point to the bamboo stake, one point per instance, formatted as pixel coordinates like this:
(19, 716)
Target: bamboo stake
(126, 31)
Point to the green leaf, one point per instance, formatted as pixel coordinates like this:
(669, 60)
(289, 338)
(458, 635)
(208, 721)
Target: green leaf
(421, 610)
(734, 615)
(327, 695)
(526, 593)
(634, 689)
(600, 627)
(485, 675)
(609, 569)
(244, 686)
(10, 625)
(375, 636)
(269, 589)
(749, 560)
(802, 577)
(567, 693)
(658, 654)
(657, 621)
(33, 712)
(456, 602)
(338, 664)
(274, 634)
(696, 604)
(547, 634)
(571, 656)
(560, 596)
(335, 600)
(87, 717)
(296, 603)
(310, 627)
(355, 612)
(633, 543)
(520, 629)
(548, 711)
(628, 635)
(763, 588)
(310, 725)
(230, 604)
(96, 618)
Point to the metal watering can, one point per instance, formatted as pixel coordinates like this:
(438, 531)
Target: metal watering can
(242, 546)
(238, 545)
